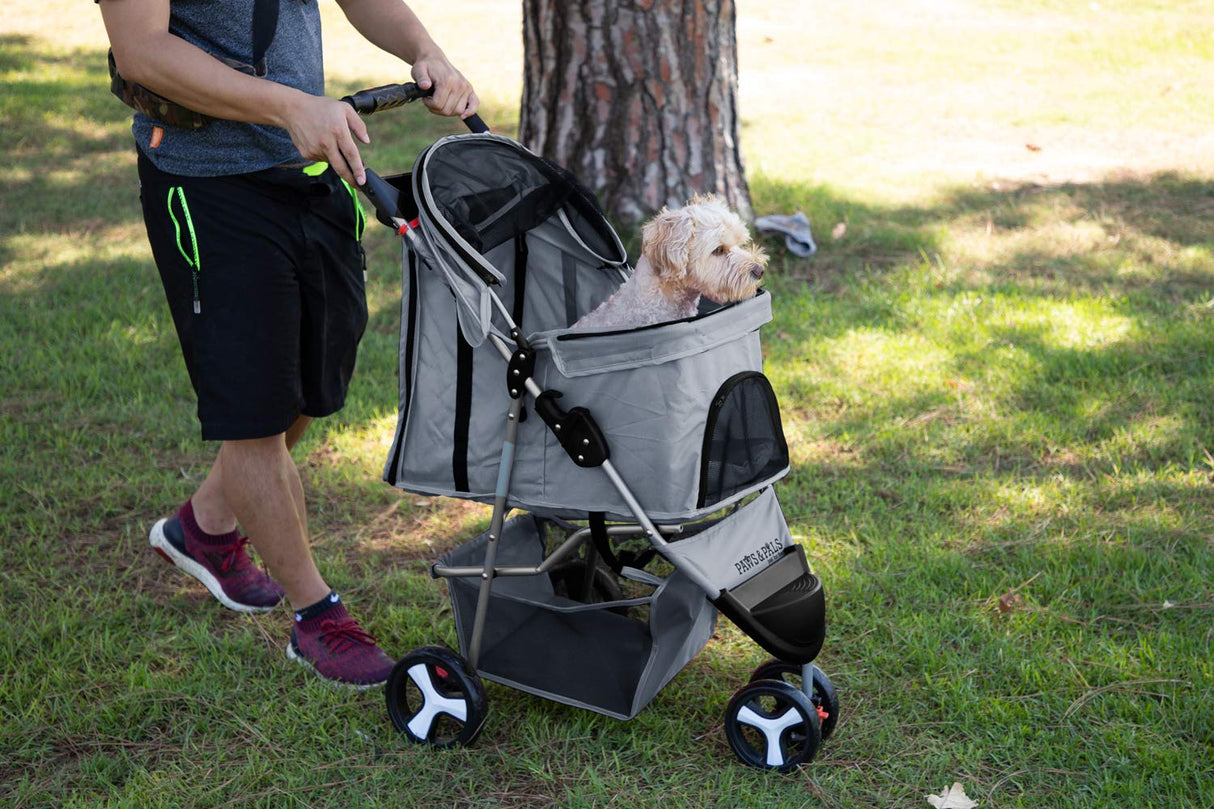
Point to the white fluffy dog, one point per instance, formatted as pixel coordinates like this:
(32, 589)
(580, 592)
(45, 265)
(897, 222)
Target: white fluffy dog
(701, 249)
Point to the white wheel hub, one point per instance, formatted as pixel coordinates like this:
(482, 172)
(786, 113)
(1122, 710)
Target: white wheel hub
(772, 727)
(433, 703)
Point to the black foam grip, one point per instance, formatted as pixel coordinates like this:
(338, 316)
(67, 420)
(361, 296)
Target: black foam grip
(390, 96)
(385, 97)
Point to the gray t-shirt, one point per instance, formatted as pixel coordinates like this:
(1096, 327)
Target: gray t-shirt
(224, 28)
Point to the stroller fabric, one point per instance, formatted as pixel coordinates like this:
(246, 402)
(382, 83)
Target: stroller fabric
(489, 209)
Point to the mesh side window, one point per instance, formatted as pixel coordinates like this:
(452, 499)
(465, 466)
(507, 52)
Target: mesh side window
(743, 441)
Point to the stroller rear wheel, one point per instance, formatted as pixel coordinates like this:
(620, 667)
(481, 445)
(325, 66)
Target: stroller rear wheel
(434, 699)
(823, 697)
(772, 725)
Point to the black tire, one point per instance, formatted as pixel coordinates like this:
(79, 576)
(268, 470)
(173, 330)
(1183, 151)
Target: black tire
(568, 579)
(435, 699)
(824, 696)
(771, 725)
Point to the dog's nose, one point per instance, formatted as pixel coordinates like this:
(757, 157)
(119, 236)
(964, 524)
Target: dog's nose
(756, 271)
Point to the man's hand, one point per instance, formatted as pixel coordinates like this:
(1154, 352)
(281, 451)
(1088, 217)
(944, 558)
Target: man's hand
(453, 94)
(392, 26)
(325, 129)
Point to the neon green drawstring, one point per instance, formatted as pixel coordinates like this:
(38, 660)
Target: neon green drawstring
(195, 262)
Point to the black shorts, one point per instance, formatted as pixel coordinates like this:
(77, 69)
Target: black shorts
(264, 275)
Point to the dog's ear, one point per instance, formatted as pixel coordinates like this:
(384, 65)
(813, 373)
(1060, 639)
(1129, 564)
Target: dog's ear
(665, 242)
(707, 198)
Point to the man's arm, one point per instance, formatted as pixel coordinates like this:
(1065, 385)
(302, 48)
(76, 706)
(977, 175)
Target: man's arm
(321, 128)
(392, 26)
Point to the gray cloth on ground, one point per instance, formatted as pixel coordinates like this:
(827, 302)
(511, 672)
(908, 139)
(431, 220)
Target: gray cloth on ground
(795, 227)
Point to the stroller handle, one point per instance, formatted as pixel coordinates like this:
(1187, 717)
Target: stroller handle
(390, 96)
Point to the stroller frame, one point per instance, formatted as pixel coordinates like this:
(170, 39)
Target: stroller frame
(760, 592)
(781, 607)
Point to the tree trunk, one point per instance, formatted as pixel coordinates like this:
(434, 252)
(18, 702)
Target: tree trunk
(638, 98)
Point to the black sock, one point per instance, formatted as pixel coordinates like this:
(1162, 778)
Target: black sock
(319, 608)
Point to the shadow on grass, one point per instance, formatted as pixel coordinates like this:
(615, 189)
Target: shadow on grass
(1143, 220)
(1084, 311)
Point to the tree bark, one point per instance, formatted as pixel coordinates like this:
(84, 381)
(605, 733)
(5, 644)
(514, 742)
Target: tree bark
(638, 98)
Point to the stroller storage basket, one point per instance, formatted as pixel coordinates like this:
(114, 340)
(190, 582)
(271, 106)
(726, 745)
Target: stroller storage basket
(594, 655)
(589, 655)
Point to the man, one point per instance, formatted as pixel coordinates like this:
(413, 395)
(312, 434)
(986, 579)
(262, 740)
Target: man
(255, 232)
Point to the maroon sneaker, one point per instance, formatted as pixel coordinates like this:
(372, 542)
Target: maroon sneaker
(339, 650)
(224, 567)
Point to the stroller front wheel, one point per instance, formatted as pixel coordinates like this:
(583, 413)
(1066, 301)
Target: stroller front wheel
(772, 725)
(823, 695)
(435, 699)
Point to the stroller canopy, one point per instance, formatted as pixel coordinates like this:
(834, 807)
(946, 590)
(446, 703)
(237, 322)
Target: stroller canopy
(475, 194)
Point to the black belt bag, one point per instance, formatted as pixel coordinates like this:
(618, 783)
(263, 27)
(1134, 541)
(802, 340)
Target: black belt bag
(166, 111)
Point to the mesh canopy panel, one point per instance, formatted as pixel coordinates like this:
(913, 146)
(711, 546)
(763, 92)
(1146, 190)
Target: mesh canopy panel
(491, 191)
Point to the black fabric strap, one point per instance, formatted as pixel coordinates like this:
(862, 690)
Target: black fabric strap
(626, 558)
(520, 279)
(520, 291)
(598, 534)
(411, 292)
(569, 269)
(588, 574)
(463, 411)
(265, 23)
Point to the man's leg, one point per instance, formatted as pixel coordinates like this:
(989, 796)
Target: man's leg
(211, 507)
(257, 483)
(262, 300)
(261, 486)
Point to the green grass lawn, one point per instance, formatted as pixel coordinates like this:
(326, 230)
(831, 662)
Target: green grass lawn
(996, 377)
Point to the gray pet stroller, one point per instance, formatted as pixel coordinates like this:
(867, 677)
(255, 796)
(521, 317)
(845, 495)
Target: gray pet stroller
(642, 461)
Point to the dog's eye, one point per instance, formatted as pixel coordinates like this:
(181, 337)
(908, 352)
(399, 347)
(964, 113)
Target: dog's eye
(720, 251)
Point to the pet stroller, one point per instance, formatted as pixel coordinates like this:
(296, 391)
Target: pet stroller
(642, 461)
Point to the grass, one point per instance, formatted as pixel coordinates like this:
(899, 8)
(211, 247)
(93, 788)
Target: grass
(996, 383)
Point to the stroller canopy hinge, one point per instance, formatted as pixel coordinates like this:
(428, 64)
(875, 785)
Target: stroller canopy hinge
(520, 367)
(576, 429)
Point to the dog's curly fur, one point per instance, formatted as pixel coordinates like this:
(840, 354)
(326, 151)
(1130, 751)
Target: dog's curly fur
(701, 249)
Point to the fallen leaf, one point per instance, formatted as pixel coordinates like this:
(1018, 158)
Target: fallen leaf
(1009, 601)
(838, 230)
(1032, 147)
(952, 798)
